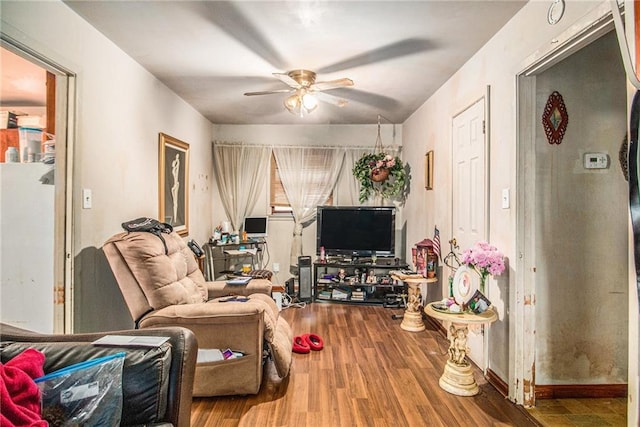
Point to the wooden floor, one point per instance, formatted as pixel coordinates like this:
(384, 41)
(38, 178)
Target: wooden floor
(370, 373)
(581, 412)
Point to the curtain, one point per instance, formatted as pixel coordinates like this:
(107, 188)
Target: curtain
(240, 172)
(349, 186)
(308, 176)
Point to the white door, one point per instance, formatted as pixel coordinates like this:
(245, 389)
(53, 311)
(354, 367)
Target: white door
(470, 195)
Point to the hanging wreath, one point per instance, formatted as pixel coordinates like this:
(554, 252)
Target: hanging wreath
(380, 173)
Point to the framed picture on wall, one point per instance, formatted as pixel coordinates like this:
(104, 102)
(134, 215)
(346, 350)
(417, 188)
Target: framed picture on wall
(428, 170)
(173, 183)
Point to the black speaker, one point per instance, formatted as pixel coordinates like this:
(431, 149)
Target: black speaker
(290, 287)
(304, 278)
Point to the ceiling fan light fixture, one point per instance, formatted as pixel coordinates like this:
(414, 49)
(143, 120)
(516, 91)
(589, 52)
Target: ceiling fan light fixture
(309, 102)
(301, 103)
(292, 102)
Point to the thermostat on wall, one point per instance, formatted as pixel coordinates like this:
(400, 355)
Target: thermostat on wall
(596, 161)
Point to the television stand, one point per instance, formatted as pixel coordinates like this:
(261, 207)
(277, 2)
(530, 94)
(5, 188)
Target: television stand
(356, 282)
(380, 262)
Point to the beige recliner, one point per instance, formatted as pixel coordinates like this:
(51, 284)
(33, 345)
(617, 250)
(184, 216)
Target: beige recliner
(164, 287)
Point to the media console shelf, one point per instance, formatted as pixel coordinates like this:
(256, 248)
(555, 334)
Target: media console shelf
(342, 281)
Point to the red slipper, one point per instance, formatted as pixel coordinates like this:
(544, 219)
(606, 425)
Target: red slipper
(300, 345)
(314, 341)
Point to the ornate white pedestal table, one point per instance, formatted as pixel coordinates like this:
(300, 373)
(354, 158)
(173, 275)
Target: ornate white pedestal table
(412, 319)
(458, 376)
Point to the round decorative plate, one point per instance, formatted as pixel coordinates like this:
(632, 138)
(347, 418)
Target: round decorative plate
(465, 283)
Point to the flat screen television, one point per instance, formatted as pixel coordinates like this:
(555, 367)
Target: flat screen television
(356, 230)
(255, 226)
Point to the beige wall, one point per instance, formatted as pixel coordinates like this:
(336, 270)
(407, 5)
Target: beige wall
(121, 108)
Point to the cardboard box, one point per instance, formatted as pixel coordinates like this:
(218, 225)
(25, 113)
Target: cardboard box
(30, 122)
(8, 120)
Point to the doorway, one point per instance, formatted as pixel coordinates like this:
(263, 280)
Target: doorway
(572, 227)
(40, 251)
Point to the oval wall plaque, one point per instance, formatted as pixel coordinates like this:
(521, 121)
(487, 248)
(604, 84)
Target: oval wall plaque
(555, 118)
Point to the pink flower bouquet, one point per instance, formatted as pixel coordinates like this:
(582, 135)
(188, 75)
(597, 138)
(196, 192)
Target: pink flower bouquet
(486, 259)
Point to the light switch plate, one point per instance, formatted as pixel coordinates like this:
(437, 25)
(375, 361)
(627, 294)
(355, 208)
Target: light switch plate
(87, 198)
(505, 198)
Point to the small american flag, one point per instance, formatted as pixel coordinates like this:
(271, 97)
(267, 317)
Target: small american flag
(436, 242)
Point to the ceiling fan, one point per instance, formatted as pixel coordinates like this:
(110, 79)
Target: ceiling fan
(306, 91)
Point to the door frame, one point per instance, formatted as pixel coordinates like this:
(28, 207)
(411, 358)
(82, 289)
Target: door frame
(522, 320)
(65, 93)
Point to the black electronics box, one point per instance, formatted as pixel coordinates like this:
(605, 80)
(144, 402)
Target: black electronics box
(304, 278)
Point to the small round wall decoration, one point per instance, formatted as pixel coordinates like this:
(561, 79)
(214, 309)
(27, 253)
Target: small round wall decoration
(555, 118)
(556, 10)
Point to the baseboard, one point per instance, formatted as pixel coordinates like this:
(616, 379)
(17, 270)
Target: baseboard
(580, 391)
(497, 382)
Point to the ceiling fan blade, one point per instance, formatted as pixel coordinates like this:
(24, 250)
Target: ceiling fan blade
(330, 99)
(268, 92)
(332, 84)
(286, 79)
(227, 16)
(394, 50)
(373, 99)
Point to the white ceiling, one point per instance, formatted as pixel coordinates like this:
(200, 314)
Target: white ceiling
(22, 84)
(211, 52)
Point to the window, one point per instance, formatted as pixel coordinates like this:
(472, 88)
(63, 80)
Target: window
(278, 197)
